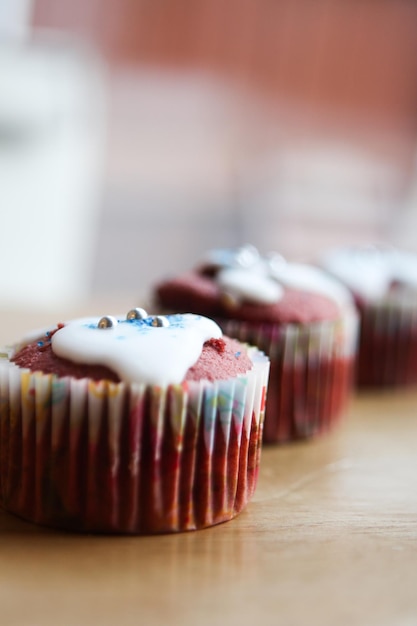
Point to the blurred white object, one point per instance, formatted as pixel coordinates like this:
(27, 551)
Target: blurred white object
(405, 229)
(51, 130)
(15, 17)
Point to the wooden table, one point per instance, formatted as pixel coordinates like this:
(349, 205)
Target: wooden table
(330, 538)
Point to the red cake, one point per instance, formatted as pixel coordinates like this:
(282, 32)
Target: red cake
(143, 424)
(304, 320)
(220, 359)
(199, 292)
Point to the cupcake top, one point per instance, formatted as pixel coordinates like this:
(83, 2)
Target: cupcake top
(242, 284)
(373, 272)
(158, 350)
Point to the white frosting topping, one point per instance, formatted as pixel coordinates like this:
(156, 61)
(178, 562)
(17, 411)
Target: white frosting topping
(245, 275)
(243, 284)
(313, 280)
(370, 271)
(135, 349)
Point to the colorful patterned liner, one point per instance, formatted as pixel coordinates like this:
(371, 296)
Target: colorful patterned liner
(311, 376)
(117, 458)
(388, 343)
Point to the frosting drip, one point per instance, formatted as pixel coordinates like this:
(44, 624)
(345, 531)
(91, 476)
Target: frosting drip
(244, 275)
(370, 271)
(136, 349)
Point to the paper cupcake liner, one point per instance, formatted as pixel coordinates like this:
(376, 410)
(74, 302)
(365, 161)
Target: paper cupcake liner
(104, 457)
(388, 344)
(311, 376)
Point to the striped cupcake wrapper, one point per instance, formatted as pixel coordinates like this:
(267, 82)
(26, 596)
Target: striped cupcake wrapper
(311, 376)
(115, 458)
(388, 344)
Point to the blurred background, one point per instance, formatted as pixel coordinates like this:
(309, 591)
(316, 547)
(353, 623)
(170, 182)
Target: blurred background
(136, 134)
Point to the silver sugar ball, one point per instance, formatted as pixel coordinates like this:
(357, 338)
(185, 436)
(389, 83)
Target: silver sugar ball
(160, 321)
(136, 314)
(275, 261)
(246, 256)
(229, 300)
(108, 321)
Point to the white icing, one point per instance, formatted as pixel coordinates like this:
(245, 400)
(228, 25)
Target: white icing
(136, 350)
(249, 285)
(246, 276)
(370, 271)
(246, 256)
(311, 279)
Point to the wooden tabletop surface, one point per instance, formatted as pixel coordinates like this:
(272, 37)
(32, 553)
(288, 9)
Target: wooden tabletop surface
(329, 538)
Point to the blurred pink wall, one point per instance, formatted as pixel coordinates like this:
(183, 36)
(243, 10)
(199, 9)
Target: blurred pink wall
(355, 54)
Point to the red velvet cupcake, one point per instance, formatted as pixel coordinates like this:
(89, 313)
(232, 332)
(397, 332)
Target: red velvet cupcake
(383, 282)
(144, 424)
(304, 320)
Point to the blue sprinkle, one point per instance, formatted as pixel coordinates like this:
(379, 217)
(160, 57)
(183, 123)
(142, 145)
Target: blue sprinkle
(133, 320)
(40, 344)
(237, 354)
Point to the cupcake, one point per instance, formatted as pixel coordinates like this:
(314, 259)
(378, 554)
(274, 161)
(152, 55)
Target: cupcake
(383, 282)
(142, 424)
(304, 320)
